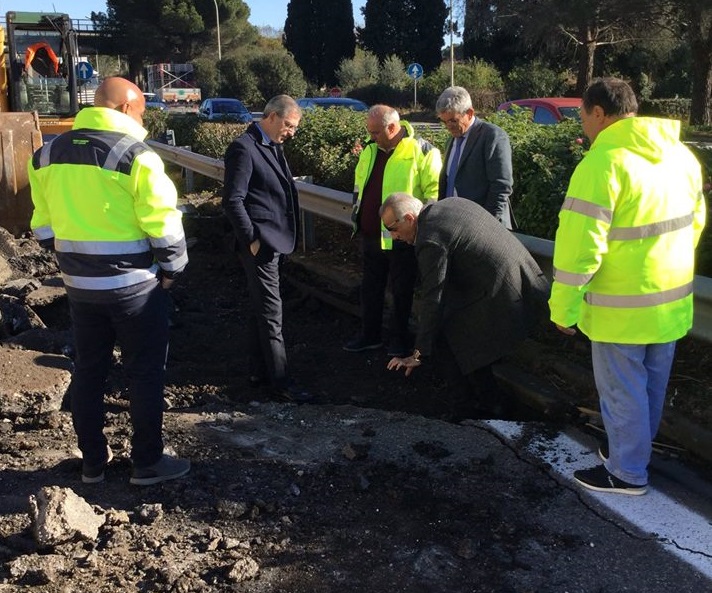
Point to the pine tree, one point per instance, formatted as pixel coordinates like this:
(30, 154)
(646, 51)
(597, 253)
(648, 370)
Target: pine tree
(320, 34)
(413, 30)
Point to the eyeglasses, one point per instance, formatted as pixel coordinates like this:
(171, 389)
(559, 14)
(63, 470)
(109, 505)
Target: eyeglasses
(292, 127)
(392, 227)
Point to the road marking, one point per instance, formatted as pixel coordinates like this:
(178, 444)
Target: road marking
(665, 511)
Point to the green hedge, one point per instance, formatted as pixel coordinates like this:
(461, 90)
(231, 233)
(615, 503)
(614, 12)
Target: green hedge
(543, 157)
(675, 108)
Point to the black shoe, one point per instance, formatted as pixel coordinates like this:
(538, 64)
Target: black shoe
(601, 480)
(603, 451)
(166, 468)
(359, 344)
(294, 394)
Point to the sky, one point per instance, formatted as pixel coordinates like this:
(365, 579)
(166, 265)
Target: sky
(271, 13)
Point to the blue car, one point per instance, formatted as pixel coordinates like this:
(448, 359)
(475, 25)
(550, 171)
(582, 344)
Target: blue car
(224, 109)
(327, 102)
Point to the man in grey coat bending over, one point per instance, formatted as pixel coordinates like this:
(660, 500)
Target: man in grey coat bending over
(481, 292)
(478, 158)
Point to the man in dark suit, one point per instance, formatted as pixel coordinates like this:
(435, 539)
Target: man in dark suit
(478, 158)
(481, 291)
(260, 199)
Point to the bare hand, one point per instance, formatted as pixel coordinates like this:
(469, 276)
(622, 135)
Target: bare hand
(409, 363)
(255, 246)
(569, 331)
(166, 283)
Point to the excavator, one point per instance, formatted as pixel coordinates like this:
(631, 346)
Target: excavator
(38, 100)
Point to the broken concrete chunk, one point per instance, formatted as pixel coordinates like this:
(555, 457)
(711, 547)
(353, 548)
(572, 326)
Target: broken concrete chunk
(58, 515)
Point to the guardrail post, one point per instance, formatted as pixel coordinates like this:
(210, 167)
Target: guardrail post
(188, 175)
(307, 222)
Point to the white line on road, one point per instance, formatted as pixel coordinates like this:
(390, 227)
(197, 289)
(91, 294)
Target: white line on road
(666, 510)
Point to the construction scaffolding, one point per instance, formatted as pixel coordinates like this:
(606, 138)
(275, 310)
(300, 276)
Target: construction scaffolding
(173, 83)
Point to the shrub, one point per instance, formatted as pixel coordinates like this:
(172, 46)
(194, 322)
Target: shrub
(156, 122)
(543, 159)
(482, 81)
(373, 94)
(674, 108)
(535, 79)
(212, 138)
(184, 126)
(361, 70)
(326, 146)
(255, 78)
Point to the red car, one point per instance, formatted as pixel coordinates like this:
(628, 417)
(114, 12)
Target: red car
(548, 110)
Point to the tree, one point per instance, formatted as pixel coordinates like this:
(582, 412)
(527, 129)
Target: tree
(410, 29)
(361, 70)
(488, 37)
(159, 30)
(585, 25)
(320, 34)
(257, 76)
(695, 20)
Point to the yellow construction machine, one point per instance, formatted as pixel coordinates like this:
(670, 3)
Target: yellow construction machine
(38, 100)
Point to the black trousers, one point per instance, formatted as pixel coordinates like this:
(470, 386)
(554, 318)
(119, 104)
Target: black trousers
(267, 356)
(140, 326)
(472, 395)
(398, 264)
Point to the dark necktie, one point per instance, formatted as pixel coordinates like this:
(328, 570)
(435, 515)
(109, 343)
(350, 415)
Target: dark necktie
(452, 171)
(279, 153)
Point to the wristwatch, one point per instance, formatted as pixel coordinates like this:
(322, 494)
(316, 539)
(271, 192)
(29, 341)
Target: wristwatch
(416, 355)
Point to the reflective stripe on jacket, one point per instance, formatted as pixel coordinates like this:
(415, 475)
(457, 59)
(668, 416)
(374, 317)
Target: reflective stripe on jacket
(413, 168)
(103, 196)
(624, 250)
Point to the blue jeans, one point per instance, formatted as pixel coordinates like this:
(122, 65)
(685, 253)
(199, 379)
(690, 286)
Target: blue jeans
(631, 381)
(140, 325)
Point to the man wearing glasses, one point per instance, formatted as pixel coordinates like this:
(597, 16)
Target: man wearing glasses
(480, 293)
(393, 161)
(478, 159)
(260, 199)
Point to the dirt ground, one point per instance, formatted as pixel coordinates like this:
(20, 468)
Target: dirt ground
(258, 514)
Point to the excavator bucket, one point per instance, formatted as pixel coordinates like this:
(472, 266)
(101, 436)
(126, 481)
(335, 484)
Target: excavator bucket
(20, 136)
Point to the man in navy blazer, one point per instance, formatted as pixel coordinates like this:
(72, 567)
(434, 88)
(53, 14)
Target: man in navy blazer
(478, 158)
(260, 199)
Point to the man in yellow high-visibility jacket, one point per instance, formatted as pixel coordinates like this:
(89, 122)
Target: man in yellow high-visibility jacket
(104, 203)
(623, 270)
(394, 160)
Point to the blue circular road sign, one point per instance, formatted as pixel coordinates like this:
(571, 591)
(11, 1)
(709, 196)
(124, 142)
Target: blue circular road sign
(84, 70)
(414, 70)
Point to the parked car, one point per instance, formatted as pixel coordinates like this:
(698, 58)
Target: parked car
(327, 102)
(224, 109)
(548, 110)
(156, 105)
(153, 102)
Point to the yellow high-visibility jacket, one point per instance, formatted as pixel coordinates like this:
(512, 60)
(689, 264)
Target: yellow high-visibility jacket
(628, 228)
(413, 168)
(103, 199)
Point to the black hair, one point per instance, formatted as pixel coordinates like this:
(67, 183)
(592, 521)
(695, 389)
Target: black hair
(613, 95)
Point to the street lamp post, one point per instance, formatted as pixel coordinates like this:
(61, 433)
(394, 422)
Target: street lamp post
(452, 52)
(217, 21)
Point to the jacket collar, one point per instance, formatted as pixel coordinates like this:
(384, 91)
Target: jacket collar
(103, 118)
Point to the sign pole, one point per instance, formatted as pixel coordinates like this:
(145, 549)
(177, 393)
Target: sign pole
(415, 71)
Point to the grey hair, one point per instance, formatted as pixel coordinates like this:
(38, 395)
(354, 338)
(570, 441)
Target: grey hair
(401, 204)
(386, 114)
(282, 105)
(454, 98)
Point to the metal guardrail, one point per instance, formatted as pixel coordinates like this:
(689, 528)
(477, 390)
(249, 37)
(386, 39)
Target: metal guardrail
(336, 205)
